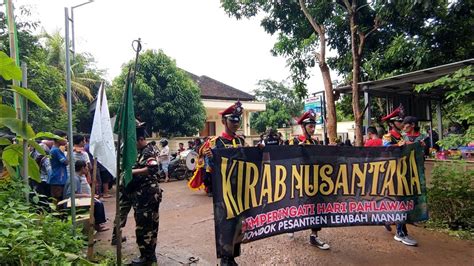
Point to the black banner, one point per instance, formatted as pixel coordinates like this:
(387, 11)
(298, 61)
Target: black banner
(264, 192)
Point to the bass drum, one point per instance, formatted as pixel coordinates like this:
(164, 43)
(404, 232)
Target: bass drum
(182, 155)
(191, 160)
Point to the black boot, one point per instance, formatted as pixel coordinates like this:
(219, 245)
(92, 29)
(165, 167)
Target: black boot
(142, 260)
(228, 261)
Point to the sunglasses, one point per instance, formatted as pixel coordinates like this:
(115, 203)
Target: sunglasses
(233, 119)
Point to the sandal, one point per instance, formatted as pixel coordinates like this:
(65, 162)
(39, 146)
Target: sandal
(106, 196)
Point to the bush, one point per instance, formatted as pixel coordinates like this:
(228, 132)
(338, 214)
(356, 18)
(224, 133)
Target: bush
(29, 236)
(451, 197)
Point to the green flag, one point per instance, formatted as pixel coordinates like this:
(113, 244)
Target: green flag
(129, 135)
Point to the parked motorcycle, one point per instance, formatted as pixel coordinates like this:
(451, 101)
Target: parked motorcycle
(179, 168)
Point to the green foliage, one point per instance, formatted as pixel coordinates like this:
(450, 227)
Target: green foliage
(282, 105)
(5, 141)
(13, 153)
(272, 90)
(45, 63)
(416, 35)
(7, 111)
(344, 108)
(8, 68)
(459, 86)
(165, 97)
(29, 236)
(451, 197)
(274, 116)
(31, 96)
(48, 82)
(296, 39)
(459, 100)
(403, 54)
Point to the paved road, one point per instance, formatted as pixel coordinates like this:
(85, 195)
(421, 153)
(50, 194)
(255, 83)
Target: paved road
(187, 230)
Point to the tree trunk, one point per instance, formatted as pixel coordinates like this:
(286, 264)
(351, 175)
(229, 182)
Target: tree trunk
(355, 80)
(331, 123)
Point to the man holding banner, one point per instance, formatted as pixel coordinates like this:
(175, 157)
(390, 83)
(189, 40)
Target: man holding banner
(394, 137)
(308, 124)
(231, 118)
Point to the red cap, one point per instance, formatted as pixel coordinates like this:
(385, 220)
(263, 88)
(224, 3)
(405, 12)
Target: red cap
(396, 115)
(233, 110)
(307, 118)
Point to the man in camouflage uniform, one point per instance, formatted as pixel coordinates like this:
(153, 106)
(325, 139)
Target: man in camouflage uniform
(308, 126)
(125, 205)
(146, 196)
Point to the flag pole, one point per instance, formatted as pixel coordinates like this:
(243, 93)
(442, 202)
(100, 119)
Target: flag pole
(90, 245)
(128, 92)
(118, 228)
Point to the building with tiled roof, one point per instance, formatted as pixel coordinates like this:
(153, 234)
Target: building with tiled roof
(217, 96)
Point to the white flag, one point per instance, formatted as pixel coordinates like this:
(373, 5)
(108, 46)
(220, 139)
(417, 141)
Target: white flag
(102, 139)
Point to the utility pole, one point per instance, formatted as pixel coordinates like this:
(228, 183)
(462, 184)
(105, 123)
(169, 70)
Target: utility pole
(70, 156)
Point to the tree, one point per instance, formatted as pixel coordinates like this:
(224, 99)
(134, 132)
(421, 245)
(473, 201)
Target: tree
(83, 77)
(344, 108)
(282, 105)
(165, 96)
(419, 35)
(404, 36)
(459, 100)
(272, 90)
(302, 38)
(46, 78)
(358, 38)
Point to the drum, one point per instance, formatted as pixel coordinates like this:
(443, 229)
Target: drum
(182, 155)
(191, 160)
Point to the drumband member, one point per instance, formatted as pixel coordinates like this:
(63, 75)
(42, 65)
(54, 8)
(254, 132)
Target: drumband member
(397, 123)
(411, 134)
(230, 118)
(146, 196)
(307, 121)
(394, 121)
(308, 125)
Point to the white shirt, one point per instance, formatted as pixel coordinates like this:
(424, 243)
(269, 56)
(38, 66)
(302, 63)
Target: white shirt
(165, 154)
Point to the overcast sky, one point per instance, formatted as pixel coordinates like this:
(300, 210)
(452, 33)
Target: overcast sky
(199, 35)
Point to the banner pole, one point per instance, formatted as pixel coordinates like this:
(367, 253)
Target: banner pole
(90, 245)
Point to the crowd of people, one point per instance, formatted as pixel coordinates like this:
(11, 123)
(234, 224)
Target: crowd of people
(144, 194)
(56, 178)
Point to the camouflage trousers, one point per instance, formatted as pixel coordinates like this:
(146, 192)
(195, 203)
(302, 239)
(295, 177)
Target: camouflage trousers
(146, 205)
(125, 205)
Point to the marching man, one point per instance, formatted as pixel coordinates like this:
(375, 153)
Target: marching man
(308, 125)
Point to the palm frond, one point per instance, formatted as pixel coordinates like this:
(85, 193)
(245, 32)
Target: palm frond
(63, 103)
(80, 89)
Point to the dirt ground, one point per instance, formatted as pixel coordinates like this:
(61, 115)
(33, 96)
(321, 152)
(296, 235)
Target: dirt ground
(187, 230)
